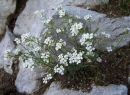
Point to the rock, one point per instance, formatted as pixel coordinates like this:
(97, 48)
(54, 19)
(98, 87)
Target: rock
(27, 80)
(7, 7)
(29, 22)
(84, 3)
(118, 28)
(5, 44)
(55, 89)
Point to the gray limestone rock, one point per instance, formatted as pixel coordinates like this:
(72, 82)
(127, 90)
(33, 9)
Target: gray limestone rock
(29, 22)
(5, 44)
(27, 80)
(55, 89)
(7, 7)
(118, 28)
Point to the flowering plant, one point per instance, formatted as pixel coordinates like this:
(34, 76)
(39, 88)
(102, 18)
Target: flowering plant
(64, 48)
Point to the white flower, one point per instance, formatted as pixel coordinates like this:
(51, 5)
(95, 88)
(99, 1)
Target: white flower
(60, 44)
(75, 28)
(29, 63)
(45, 80)
(40, 13)
(48, 20)
(7, 54)
(63, 59)
(109, 49)
(90, 48)
(37, 49)
(25, 36)
(49, 41)
(85, 37)
(128, 28)
(59, 70)
(45, 57)
(99, 60)
(79, 25)
(59, 7)
(61, 13)
(17, 40)
(49, 76)
(58, 30)
(87, 17)
(90, 53)
(32, 67)
(55, 69)
(103, 33)
(75, 57)
(16, 51)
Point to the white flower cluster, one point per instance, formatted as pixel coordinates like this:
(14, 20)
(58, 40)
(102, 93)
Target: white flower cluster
(45, 57)
(86, 40)
(75, 28)
(75, 57)
(40, 13)
(60, 44)
(59, 69)
(47, 21)
(36, 49)
(16, 51)
(85, 37)
(48, 41)
(87, 17)
(99, 60)
(7, 54)
(106, 35)
(17, 40)
(109, 49)
(58, 30)
(48, 77)
(63, 59)
(25, 37)
(61, 11)
(29, 63)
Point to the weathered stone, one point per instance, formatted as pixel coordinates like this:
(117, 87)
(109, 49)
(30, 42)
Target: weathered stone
(29, 22)
(6, 8)
(55, 89)
(27, 80)
(118, 28)
(5, 44)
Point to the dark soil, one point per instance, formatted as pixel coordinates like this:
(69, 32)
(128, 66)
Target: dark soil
(115, 8)
(20, 5)
(114, 70)
(7, 86)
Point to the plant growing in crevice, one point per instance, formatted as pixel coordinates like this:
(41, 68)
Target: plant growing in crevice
(66, 47)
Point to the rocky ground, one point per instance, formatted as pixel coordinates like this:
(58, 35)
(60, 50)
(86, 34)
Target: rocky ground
(115, 71)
